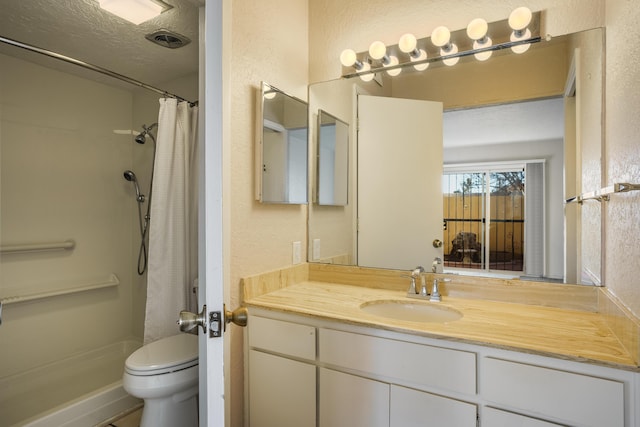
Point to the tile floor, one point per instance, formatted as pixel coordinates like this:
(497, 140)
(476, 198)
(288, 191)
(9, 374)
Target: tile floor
(131, 419)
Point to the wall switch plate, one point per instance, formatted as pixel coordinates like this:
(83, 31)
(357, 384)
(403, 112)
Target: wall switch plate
(316, 249)
(297, 252)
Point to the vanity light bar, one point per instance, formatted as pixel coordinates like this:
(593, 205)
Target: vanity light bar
(479, 39)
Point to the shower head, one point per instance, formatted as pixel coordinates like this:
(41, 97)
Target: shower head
(131, 177)
(141, 138)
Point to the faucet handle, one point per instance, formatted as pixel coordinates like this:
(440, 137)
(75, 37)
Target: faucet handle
(412, 286)
(417, 271)
(435, 292)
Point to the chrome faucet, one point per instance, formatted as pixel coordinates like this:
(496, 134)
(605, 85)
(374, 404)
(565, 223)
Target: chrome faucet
(423, 292)
(416, 273)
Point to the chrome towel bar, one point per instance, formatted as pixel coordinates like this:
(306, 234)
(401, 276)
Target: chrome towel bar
(604, 193)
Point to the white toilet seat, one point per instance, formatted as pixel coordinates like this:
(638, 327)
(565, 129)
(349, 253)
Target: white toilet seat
(163, 356)
(165, 374)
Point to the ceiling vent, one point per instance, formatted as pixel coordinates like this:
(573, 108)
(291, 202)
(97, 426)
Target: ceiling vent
(168, 39)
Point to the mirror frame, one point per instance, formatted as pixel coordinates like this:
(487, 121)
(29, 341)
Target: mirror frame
(264, 93)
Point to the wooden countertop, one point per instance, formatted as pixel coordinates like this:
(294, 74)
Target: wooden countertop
(564, 333)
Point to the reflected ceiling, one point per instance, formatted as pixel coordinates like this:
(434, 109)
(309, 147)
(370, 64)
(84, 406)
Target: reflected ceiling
(507, 123)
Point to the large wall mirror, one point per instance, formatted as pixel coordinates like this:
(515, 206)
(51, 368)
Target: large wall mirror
(536, 115)
(281, 147)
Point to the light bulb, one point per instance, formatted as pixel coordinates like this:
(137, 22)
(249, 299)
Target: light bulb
(521, 48)
(452, 50)
(520, 18)
(270, 94)
(393, 61)
(477, 29)
(348, 57)
(366, 77)
(440, 36)
(377, 50)
(421, 57)
(483, 56)
(407, 43)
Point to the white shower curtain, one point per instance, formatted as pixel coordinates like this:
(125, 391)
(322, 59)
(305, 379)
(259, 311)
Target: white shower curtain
(173, 256)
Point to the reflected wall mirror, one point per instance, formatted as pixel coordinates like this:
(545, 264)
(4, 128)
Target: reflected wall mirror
(332, 178)
(281, 149)
(550, 71)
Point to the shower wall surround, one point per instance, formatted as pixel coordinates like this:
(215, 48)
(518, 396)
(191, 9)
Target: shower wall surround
(62, 179)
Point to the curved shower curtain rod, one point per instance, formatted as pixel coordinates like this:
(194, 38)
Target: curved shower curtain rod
(92, 67)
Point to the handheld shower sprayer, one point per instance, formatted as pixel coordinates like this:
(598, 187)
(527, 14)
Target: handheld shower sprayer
(143, 218)
(131, 177)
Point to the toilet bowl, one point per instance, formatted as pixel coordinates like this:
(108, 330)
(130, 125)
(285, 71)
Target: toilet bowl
(164, 374)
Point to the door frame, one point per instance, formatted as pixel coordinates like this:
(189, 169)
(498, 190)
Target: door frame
(213, 273)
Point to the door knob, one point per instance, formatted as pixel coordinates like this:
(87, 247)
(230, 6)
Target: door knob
(437, 243)
(188, 320)
(238, 316)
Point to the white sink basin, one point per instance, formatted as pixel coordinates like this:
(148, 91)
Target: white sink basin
(411, 311)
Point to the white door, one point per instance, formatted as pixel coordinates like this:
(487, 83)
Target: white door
(399, 182)
(210, 230)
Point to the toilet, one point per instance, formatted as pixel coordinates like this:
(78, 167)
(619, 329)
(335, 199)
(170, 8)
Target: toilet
(165, 374)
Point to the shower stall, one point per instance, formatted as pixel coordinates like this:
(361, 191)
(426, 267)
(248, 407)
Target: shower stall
(73, 238)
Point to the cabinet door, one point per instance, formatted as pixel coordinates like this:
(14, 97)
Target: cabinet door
(554, 394)
(277, 336)
(496, 418)
(351, 401)
(282, 392)
(411, 408)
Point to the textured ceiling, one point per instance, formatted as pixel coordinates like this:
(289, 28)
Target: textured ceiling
(80, 29)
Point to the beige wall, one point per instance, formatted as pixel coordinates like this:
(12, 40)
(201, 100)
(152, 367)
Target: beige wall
(335, 24)
(269, 42)
(622, 220)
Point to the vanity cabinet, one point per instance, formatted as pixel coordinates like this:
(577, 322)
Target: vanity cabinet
(575, 398)
(282, 374)
(352, 401)
(496, 418)
(311, 372)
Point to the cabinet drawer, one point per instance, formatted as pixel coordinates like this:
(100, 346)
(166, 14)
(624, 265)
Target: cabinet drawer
(551, 393)
(441, 368)
(413, 408)
(497, 418)
(282, 337)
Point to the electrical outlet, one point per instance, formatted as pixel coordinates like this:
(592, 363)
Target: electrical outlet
(297, 252)
(316, 249)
